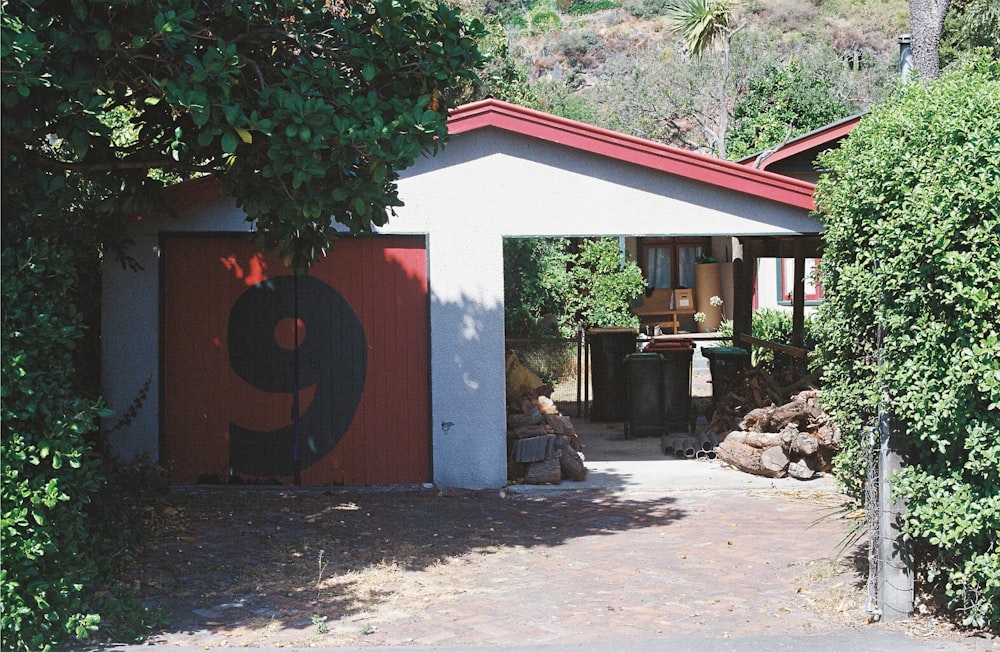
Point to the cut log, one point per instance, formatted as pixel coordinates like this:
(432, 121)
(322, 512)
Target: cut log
(802, 443)
(800, 470)
(545, 472)
(803, 383)
(534, 449)
(560, 425)
(530, 431)
(775, 418)
(572, 465)
(547, 406)
(775, 460)
(745, 458)
(822, 460)
(755, 439)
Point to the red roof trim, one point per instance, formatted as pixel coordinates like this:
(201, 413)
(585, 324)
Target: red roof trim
(578, 135)
(822, 136)
(649, 154)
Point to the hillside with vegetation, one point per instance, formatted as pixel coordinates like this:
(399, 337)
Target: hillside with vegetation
(795, 66)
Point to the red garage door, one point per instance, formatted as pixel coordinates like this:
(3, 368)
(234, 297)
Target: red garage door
(268, 376)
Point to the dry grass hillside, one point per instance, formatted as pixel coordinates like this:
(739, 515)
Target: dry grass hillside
(616, 62)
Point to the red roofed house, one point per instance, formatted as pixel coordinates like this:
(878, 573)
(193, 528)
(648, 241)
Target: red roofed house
(398, 338)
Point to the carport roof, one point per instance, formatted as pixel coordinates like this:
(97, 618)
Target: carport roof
(495, 114)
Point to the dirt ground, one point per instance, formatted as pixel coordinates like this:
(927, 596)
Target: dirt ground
(272, 566)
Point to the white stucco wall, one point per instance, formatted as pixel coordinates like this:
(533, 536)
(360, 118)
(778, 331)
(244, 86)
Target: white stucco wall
(130, 323)
(486, 185)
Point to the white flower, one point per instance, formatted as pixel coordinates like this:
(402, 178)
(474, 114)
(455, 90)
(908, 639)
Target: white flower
(715, 301)
(700, 317)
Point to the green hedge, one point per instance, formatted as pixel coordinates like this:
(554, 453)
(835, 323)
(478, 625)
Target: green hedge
(911, 272)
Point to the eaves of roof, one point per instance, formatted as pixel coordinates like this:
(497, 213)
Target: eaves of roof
(638, 151)
(825, 135)
(570, 133)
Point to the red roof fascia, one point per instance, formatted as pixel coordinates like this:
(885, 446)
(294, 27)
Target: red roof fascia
(813, 139)
(578, 135)
(622, 147)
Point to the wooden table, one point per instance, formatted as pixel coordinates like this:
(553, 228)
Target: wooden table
(658, 308)
(661, 317)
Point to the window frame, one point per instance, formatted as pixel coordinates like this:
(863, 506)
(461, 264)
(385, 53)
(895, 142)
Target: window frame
(813, 298)
(675, 244)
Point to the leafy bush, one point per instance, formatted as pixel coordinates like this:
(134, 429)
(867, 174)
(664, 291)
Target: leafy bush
(578, 8)
(604, 285)
(544, 20)
(577, 42)
(48, 472)
(646, 9)
(782, 102)
(912, 284)
(65, 530)
(536, 287)
(549, 290)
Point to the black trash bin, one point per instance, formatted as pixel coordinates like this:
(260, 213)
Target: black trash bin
(608, 348)
(725, 363)
(675, 374)
(644, 389)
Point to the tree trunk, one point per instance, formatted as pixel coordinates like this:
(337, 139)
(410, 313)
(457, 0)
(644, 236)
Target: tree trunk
(746, 458)
(926, 23)
(756, 439)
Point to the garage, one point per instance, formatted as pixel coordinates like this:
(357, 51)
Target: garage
(272, 378)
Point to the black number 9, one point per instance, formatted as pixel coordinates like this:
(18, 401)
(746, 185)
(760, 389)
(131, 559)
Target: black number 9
(332, 355)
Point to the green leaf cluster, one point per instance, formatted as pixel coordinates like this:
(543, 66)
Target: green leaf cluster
(552, 286)
(305, 109)
(536, 287)
(780, 103)
(605, 285)
(47, 470)
(911, 272)
(774, 326)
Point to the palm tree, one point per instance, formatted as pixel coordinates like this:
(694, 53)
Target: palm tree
(704, 25)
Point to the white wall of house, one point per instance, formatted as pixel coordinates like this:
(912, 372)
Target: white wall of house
(487, 184)
(769, 292)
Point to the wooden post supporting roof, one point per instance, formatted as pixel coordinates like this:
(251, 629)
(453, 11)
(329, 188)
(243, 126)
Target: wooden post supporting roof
(745, 255)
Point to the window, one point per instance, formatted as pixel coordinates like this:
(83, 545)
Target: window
(669, 262)
(786, 281)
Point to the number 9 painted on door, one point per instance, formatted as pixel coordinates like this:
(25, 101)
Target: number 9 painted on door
(332, 355)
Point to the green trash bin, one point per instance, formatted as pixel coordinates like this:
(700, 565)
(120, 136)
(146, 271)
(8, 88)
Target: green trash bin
(675, 373)
(725, 363)
(644, 391)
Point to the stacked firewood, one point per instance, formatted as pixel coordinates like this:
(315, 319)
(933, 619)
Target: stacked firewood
(774, 430)
(542, 445)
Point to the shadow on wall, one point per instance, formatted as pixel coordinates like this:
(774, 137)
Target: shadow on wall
(469, 422)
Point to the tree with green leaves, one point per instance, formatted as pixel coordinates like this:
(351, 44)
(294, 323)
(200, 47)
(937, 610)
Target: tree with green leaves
(782, 103)
(305, 110)
(970, 24)
(704, 25)
(908, 326)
